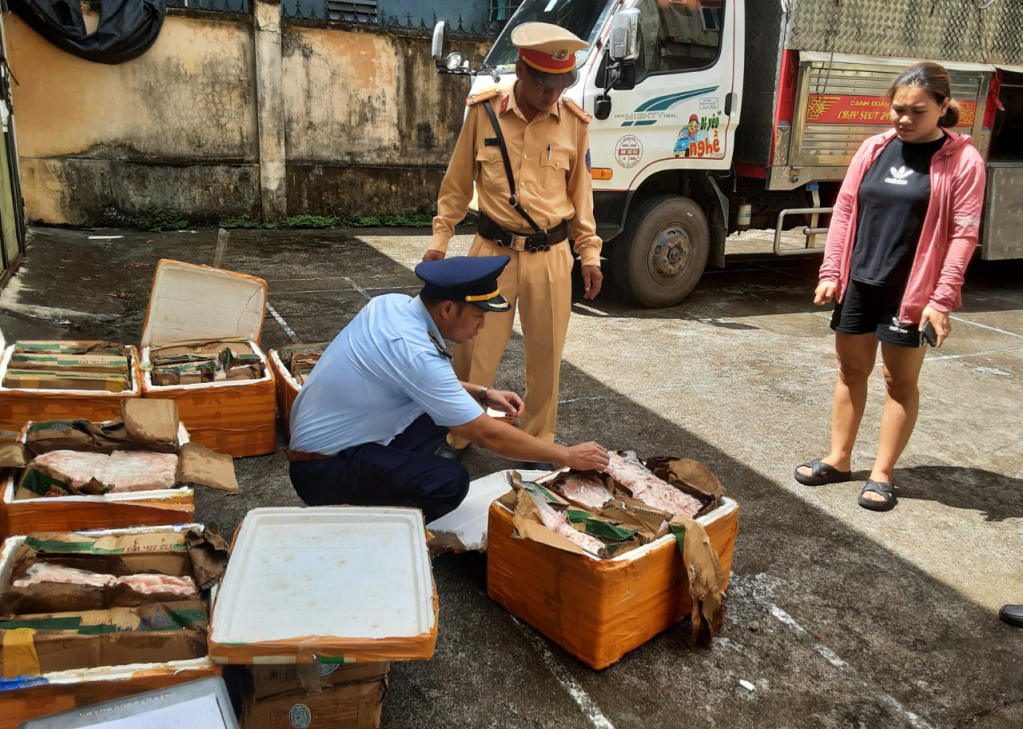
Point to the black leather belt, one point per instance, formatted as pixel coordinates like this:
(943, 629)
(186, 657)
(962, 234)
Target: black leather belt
(531, 242)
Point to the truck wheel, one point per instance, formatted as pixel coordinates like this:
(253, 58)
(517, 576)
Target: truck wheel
(662, 252)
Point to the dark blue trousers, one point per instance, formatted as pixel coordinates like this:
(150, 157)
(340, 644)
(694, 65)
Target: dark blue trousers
(404, 473)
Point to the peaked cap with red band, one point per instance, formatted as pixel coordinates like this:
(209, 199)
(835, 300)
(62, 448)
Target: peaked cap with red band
(548, 52)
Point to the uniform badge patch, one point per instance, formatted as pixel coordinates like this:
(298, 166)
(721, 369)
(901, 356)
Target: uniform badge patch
(588, 168)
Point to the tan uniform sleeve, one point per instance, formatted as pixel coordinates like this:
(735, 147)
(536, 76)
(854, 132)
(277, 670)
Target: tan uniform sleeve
(580, 190)
(456, 189)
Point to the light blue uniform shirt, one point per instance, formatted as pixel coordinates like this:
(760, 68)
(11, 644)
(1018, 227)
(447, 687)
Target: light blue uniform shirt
(377, 376)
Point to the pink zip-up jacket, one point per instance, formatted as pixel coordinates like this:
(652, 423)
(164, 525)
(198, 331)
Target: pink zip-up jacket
(950, 228)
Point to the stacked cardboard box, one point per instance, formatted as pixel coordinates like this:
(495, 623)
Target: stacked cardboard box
(47, 380)
(292, 365)
(69, 366)
(317, 696)
(189, 363)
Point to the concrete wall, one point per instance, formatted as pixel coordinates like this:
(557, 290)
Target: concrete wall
(174, 130)
(370, 123)
(367, 123)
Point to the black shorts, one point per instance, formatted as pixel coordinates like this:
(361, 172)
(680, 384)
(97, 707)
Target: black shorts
(870, 309)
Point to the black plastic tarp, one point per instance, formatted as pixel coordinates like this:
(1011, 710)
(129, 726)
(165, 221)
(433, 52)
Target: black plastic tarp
(127, 28)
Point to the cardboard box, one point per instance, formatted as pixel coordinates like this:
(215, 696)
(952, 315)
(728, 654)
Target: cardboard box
(597, 609)
(153, 633)
(19, 405)
(116, 364)
(289, 383)
(345, 706)
(31, 697)
(148, 425)
(197, 303)
(275, 680)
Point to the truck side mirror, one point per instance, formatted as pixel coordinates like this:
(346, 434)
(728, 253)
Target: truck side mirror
(437, 50)
(623, 42)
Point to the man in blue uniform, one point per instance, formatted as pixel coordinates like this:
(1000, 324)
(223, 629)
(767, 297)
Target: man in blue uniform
(368, 421)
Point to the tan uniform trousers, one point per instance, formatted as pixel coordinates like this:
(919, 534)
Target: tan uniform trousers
(540, 284)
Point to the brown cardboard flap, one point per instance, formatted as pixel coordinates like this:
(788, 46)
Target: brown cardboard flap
(13, 455)
(706, 580)
(209, 554)
(693, 477)
(199, 465)
(163, 553)
(152, 423)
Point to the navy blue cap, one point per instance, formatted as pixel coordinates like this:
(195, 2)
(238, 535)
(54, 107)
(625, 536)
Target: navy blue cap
(465, 278)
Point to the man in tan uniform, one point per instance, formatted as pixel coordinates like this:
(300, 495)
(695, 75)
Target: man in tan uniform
(547, 142)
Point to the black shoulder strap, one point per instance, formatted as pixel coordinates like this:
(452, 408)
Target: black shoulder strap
(513, 200)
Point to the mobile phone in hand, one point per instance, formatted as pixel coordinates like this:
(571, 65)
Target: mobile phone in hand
(930, 336)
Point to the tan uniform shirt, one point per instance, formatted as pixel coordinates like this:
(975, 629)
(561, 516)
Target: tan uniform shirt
(548, 159)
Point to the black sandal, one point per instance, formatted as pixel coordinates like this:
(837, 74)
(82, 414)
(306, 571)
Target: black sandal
(886, 490)
(821, 473)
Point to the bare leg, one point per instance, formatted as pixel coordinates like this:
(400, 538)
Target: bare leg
(856, 356)
(901, 374)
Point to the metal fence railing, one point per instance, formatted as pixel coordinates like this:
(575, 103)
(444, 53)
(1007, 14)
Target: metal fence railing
(217, 6)
(364, 12)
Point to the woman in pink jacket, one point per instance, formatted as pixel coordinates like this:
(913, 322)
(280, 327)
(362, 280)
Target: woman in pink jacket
(904, 228)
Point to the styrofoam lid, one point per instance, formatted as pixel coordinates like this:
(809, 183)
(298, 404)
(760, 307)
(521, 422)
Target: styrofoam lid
(343, 573)
(199, 302)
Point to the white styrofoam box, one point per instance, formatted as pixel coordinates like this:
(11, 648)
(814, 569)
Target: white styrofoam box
(347, 572)
(465, 528)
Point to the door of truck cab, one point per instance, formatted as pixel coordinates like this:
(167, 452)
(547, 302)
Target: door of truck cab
(681, 111)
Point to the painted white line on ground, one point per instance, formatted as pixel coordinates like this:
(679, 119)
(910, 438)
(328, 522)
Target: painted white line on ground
(590, 309)
(985, 326)
(582, 699)
(358, 288)
(280, 320)
(831, 657)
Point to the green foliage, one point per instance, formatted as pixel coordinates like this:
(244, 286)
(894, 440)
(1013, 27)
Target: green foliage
(152, 220)
(240, 223)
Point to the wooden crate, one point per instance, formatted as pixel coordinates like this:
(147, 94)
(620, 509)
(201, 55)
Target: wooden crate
(597, 610)
(190, 302)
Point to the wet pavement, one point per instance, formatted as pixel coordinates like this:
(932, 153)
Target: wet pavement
(838, 617)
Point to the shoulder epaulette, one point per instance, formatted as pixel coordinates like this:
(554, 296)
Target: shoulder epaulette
(483, 95)
(577, 110)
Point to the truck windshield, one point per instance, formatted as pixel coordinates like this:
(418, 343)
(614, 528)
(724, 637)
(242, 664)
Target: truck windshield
(578, 16)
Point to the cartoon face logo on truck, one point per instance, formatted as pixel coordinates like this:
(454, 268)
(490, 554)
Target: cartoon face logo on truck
(698, 138)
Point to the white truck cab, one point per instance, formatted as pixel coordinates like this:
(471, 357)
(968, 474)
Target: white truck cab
(668, 82)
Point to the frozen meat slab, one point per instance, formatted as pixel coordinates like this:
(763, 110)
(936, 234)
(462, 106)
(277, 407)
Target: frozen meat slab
(339, 583)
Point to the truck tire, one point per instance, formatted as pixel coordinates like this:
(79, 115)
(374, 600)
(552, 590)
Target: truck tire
(661, 254)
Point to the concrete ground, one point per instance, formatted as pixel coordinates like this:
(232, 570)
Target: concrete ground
(838, 617)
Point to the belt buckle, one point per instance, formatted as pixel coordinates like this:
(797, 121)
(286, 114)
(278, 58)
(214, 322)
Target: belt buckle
(518, 243)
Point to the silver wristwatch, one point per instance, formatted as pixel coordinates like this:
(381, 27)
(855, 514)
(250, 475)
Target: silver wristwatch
(483, 396)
